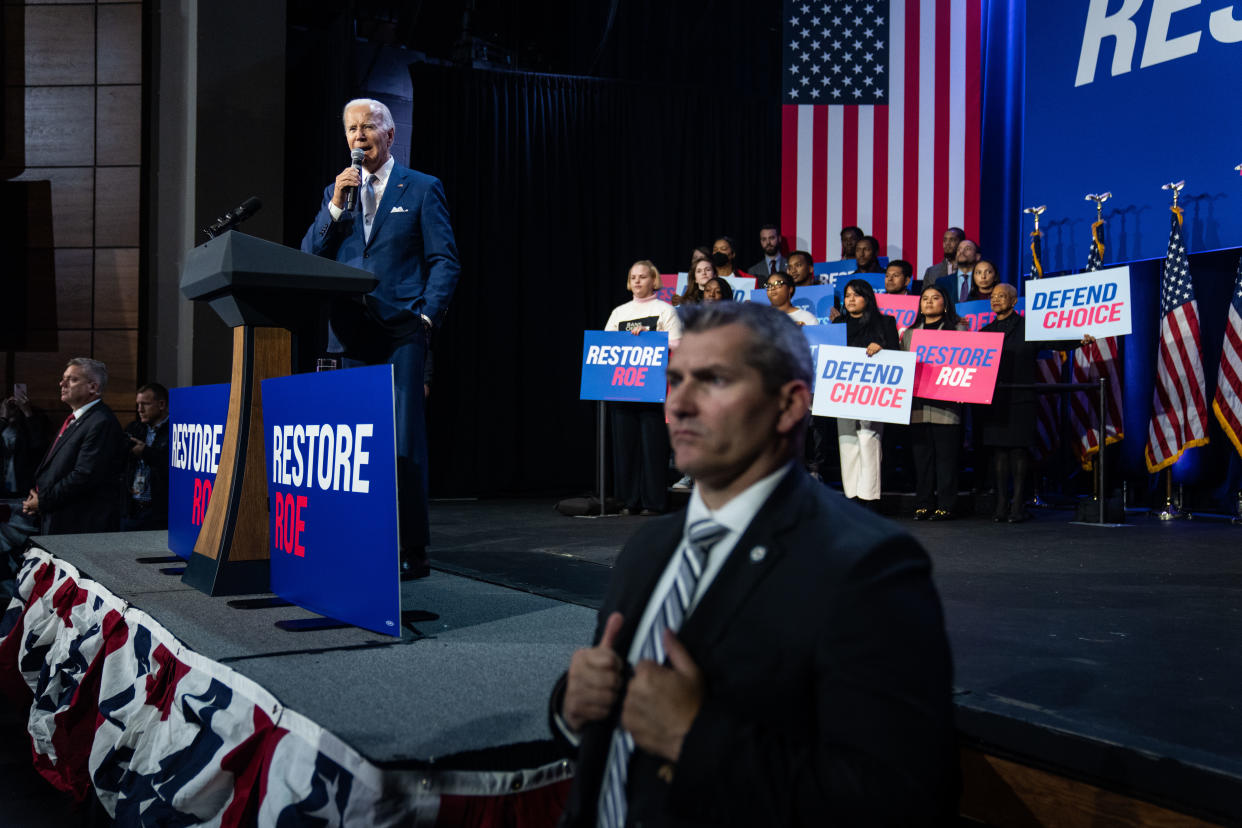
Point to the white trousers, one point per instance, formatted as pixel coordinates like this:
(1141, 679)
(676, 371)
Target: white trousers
(859, 441)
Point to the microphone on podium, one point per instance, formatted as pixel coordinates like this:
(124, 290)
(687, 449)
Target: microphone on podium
(351, 193)
(234, 217)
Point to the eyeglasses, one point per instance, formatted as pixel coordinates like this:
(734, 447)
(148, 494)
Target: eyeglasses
(777, 283)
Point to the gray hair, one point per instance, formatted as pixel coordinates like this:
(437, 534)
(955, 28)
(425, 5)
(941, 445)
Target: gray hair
(779, 351)
(96, 371)
(383, 116)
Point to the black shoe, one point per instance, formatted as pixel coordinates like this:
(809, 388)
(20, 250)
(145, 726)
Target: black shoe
(1020, 517)
(649, 513)
(412, 572)
(941, 514)
(922, 514)
(999, 517)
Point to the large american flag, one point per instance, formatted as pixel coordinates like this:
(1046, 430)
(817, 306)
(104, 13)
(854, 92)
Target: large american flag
(1228, 400)
(1103, 359)
(1179, 404)
(881, 123)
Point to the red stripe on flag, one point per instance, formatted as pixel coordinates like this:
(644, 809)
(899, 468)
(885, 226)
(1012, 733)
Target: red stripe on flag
(944, 96)
(879, 187)
(789, 174)
(849, 169)
(819, 186)
(974, 116)
(910, 242)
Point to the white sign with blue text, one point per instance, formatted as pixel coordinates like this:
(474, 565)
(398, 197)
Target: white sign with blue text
(850, 384)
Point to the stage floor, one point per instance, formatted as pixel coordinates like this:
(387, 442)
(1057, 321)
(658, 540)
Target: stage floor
(1112, 652)
(1106, 653)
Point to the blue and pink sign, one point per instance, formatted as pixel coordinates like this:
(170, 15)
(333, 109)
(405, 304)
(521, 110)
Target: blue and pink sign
(196, 418)
(332, 489)
(624, 367)
(957, 366)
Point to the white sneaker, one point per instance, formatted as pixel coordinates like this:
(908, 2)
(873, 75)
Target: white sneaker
(685, 484)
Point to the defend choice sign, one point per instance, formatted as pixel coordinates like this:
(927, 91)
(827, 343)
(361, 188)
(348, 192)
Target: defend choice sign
(196, 417)
(848, 383)
(620, 366)
(332, 489)
(956, 365)
(1096, 303)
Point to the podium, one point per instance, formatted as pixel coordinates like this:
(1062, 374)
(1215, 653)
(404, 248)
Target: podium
(260, 289)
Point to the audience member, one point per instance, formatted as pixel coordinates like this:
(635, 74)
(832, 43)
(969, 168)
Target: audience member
(859, 440)
(780, 290)
(935, 426)
(801, 268)
(958, 283)
(700, 272)
(772, 262)
(1009, 422)
(810, 681)
(17, 457)
(983, 280)
(865, 252)
(639, 438)
(948, 243)
(724, 254)
(147, 471)
(717, 289)
(849, 238)
(897, 277)
(78, 484)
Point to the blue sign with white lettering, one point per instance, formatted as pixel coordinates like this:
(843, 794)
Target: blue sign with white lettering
(815, 299)
(625, 367)
(1110, 90)
(196, 418)
(332, 493)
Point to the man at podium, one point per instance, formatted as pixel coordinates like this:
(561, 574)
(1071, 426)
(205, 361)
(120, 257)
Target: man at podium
(392, 221)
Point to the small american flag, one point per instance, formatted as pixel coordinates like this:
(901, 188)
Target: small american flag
(881, 123)
(1179, 404)
(1048, 369)
(1228, 400)
(1103, 359)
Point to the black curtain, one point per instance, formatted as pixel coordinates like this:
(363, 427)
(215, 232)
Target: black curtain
(556, 185)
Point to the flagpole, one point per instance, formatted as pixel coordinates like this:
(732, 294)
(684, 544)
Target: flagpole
(1098, 478)
(1170, 510)
(1037, 272)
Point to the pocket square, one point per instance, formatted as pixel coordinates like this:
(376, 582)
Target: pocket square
(400, 210)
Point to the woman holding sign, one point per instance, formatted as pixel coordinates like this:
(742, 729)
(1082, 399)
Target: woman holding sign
(1009, 422)
(859, 440)
(935, 425)
(639, 436)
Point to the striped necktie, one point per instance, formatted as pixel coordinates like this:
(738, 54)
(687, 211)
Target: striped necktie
(368, 205)
(702, 535)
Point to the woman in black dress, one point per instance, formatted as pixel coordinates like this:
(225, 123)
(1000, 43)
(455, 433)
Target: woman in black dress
(1009, 422)
(859, 440)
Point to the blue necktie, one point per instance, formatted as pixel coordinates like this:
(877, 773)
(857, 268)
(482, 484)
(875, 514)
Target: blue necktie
(368, 205)
(703, 534)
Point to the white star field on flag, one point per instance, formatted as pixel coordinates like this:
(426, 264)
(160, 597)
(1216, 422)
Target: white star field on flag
(836, 52)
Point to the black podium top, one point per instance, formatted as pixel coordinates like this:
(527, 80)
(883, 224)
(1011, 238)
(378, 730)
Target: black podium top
(249, 281)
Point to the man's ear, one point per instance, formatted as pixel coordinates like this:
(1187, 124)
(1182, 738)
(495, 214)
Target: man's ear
(795, 405)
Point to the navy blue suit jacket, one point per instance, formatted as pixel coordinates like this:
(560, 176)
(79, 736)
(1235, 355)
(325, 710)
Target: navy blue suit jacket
(412, 251)
(80, 481)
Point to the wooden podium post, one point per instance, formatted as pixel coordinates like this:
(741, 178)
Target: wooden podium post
(259, 289)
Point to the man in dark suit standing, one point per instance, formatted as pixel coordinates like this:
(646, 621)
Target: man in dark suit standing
(948, 245)
(772, 262)
(146, 469)
(400, 231)
(774, 655)
(78, 484)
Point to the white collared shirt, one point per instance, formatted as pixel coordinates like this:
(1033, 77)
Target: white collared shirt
(78, 412)
(736, 516)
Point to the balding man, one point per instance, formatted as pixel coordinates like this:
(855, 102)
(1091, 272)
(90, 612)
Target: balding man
(79, 483)
(399, 231)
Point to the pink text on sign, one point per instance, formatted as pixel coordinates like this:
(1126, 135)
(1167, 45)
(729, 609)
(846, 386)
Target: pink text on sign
(956, 366)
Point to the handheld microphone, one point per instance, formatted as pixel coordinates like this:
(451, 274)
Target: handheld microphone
(234, 217)
(351, 193)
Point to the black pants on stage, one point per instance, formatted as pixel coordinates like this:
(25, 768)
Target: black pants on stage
(935, 448)
(640, 455)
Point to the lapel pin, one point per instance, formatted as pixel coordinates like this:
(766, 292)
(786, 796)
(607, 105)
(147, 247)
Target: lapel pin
(758, 554)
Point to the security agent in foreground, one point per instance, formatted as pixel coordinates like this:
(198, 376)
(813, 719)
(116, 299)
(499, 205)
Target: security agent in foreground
(773, 655)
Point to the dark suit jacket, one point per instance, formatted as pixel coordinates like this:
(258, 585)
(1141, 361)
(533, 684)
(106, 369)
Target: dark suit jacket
(936, 272)
(156, 458)
(412, 251)
(827, 671)
(80, 481)
(760, 268)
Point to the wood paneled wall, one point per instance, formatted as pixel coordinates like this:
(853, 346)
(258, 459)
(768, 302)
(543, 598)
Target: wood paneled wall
(72, 123)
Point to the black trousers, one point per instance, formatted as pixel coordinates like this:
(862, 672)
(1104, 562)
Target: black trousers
(935, 448)
(640, 454)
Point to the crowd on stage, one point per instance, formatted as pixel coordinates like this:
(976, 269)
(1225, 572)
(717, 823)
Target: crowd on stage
(926, 455)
